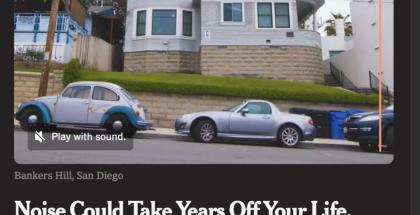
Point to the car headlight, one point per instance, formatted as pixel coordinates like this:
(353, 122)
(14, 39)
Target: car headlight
(369, 118)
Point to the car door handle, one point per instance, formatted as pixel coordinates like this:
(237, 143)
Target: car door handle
(85, 102)
(266, 117)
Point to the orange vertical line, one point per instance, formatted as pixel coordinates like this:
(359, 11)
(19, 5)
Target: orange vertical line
(380, 69)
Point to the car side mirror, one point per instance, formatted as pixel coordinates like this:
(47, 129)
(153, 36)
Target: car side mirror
(244, 111)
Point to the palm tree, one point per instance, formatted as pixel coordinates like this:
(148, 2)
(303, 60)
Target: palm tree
(330, 28)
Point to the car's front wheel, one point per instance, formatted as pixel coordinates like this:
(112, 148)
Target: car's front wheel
(118, 123)
(204, 131)
(31, 120)
(289, 136)
(389, 137)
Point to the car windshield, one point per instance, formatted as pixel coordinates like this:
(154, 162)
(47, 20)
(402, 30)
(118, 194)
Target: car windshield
(127, 94)
(233, 108)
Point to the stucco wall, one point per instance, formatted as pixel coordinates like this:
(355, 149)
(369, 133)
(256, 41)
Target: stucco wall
(296, 63)
(357, 62)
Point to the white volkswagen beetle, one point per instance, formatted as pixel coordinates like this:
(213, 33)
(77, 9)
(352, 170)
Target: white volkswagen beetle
(86, 104)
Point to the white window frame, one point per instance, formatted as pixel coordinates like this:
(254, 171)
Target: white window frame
(222, 12)
(136, 13)
(149, 21)
(273, 14)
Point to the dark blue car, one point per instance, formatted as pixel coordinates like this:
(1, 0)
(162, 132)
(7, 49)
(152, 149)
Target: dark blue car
(363, 128)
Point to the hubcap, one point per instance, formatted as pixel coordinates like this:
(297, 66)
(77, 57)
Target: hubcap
(290, 136)
(32, 119)
(117, 125)
(207, 132)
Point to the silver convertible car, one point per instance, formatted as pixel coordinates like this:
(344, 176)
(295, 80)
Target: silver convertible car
(85, 104)
(251, 119)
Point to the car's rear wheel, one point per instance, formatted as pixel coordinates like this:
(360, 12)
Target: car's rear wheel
(31, 120)
(204, 131)
(289, 136)
(118, 123)
(389, 137)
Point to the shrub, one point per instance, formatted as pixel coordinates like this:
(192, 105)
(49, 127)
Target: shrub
(71, 72)
(29, 58)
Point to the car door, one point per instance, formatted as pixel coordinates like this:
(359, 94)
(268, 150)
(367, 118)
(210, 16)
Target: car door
(72, 105)
(258, 120)
(102, 99)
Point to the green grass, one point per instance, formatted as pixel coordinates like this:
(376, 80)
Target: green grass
(27, 69)
(190, 84)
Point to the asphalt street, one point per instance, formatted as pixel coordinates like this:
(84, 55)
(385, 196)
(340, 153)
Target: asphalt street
(172, 149)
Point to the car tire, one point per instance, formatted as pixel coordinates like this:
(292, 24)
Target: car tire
(118, 123)
(31, 120)
(204, 131)
(289, 136)
(389, 137)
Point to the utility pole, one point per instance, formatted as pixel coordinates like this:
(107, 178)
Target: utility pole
(43, 85)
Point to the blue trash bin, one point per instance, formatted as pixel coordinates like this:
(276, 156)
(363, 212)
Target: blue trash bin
(336, 122)
(337, 119)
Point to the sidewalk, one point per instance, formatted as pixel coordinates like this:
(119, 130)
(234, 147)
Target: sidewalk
(169, 132)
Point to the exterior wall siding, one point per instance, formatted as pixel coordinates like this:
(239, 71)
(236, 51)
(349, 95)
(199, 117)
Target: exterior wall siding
(160, 43)
(295, 63)
(214, 32)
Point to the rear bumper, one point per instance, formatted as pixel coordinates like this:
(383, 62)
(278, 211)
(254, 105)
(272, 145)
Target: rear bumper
(309, 134)
(144, 125)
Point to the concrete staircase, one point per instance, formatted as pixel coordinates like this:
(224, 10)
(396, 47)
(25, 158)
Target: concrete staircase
(329, 80)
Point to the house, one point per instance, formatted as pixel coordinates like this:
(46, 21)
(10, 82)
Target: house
(254, 38)
(31, 20)
(338, 43)
(359, 65)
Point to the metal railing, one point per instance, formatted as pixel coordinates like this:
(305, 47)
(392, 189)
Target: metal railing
(374, 85)
(342, 78)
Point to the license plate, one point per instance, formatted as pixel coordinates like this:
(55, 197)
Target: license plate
(345, 130)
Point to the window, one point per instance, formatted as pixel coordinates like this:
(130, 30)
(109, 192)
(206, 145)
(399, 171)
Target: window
(232, 12)
(100, 93)
(77, 92)
(281, 18)
(282, 15)
(265, 16)
(164, 22)
(258, 108)
(334, 53)
(141, 23)
(187, 19)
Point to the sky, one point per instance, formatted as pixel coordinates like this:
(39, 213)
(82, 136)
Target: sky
(335, 6)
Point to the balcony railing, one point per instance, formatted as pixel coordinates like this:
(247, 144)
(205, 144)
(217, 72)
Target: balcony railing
(34, 24)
